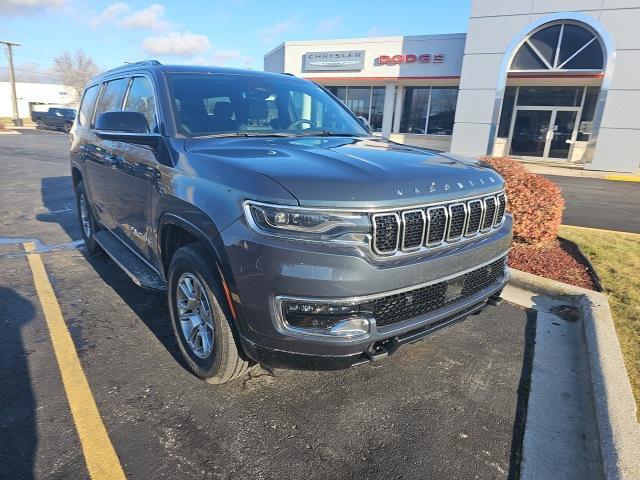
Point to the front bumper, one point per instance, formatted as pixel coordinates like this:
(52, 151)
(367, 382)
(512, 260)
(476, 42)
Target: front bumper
(266, 268)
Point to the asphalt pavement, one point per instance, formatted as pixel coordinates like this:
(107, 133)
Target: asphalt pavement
(450, 406)
(598, 203)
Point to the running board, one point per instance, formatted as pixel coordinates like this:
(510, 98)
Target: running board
(141, 273)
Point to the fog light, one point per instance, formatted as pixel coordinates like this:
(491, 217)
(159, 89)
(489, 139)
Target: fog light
(327, 318)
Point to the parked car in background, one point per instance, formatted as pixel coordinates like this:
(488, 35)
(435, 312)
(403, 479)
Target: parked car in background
(55, 118)
(284, 232)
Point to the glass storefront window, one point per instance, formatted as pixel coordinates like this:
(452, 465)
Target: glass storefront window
(550, 96)
(508, 103)
(429, 110)
(586, 119)
(358, 101)
(442, 111)
(414, 110)
(377, 106)
(367, 102)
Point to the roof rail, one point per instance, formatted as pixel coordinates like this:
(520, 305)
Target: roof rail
(142, 63)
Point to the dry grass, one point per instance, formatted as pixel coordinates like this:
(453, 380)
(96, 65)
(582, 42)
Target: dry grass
(616, 258)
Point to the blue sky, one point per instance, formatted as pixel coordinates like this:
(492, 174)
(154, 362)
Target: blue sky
(229, 33)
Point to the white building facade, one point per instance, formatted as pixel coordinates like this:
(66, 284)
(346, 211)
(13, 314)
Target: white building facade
(552, 81)
(35, 97)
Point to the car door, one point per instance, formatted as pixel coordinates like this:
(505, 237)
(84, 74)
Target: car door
(134, 175)
(100, 155)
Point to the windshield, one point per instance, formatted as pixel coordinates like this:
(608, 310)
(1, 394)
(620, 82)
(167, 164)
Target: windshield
(228, 104)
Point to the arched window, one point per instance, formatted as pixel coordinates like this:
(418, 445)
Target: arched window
(559, 47)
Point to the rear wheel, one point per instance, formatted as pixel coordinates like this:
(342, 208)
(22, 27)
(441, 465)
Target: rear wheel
(66, 127)
(88, 224)
(200, 316)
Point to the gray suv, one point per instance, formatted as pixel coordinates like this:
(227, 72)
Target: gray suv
(282, 230)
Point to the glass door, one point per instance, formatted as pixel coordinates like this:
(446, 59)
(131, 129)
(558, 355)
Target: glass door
(529, 132)
(561, 137)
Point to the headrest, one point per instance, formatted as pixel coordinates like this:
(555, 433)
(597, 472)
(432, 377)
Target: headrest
(223, 110)
(258, 109)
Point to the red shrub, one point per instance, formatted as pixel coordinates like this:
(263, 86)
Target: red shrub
(534, 201)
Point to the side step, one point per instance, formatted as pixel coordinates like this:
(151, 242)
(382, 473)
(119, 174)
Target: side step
(141, 273)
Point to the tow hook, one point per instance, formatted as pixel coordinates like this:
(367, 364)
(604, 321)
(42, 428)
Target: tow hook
(494, 300)
(376, 352)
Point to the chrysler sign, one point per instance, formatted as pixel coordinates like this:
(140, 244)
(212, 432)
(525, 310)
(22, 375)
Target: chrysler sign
(328, 61)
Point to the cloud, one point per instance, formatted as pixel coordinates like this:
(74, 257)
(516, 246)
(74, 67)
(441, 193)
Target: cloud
(27, 7)
(329, 24)
(178, 44)
(230, 57)
(110, 14)
(274, 32)
(150, 18)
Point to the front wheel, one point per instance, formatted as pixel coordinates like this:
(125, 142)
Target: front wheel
(66, 127)
(200, 316)
(88, 224)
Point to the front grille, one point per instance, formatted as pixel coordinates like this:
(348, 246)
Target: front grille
(386, 231)
(411, 229)
(420, 301)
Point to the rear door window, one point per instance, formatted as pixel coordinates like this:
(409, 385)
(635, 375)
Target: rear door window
(88, 104)
(112, 96)
(141, 99)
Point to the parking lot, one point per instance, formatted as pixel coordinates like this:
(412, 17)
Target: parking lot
(451, 406)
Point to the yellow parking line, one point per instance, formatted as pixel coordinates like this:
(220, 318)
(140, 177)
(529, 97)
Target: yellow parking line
(100, 456)
(623, 178)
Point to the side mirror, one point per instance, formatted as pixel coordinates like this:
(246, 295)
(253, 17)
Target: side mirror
(128, 127)
(365, 123)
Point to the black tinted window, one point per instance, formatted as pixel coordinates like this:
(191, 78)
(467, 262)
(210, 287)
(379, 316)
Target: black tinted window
(112, 96)
(141, 99)
(88, 104)
(256, 105)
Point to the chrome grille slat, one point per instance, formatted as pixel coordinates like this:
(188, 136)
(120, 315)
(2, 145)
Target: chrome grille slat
(457, 220)
(475, 217)
(413, 229)
(437, 225)
(386, 232)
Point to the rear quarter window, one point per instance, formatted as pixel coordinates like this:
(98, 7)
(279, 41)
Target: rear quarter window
(87, 105)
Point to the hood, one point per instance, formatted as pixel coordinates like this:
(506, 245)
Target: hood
(353, 172)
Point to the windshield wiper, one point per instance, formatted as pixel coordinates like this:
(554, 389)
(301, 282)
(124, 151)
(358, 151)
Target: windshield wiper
(327, 133)
(245, 134)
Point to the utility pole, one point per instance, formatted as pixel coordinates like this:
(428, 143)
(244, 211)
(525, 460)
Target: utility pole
(17, 121)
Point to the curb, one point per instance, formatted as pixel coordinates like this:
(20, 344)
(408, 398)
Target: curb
(623, 178)
(615, 407)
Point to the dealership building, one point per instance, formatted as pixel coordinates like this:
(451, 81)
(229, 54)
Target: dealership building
(550, 81)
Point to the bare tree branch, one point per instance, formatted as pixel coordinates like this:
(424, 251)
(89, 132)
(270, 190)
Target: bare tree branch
(75, 70)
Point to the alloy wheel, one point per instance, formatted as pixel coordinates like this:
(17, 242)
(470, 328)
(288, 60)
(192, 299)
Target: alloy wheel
(194, 314)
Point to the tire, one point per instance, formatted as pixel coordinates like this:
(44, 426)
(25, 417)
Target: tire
(66, 128)
(39, 124)
(88, 224)
(193, 265)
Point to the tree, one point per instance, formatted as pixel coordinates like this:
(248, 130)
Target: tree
(75, 70)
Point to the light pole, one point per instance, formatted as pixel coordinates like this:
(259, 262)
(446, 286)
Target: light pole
(17, 121)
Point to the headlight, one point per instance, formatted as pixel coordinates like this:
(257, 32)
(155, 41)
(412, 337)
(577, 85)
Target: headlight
(305, 223)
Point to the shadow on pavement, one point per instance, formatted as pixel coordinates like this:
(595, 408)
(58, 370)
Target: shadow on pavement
(520, 420)
(59, 198)
(18, 435)
(149, 306)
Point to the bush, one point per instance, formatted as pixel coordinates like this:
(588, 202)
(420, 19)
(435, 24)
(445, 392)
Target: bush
(535, 202)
